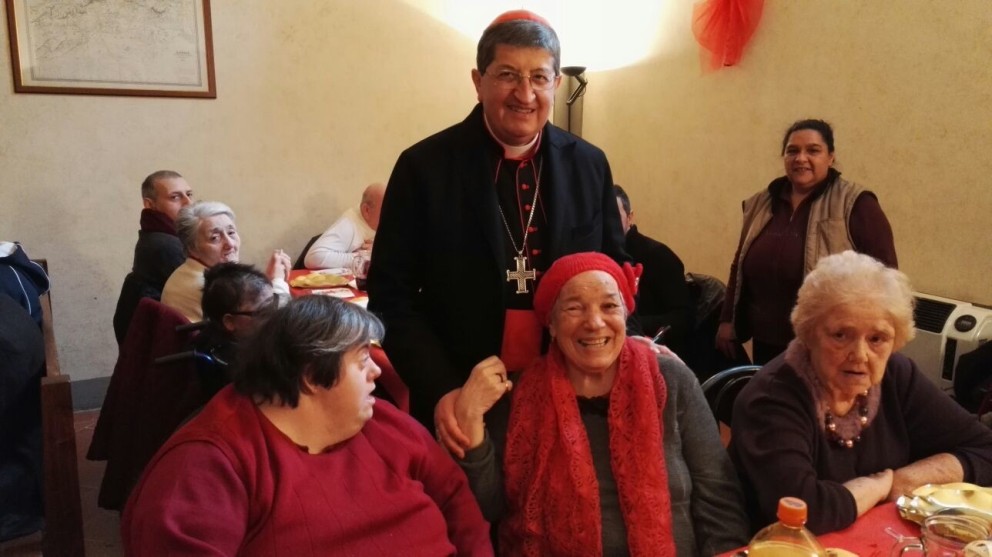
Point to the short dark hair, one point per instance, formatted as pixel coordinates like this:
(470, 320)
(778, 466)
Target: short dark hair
(816, 125)
(227, 285)
(305, 340)
(521, 33)
(148, 185)
(622, 196)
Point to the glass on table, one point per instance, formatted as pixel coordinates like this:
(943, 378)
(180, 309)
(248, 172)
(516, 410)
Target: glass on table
(360, 267)
(945, 535)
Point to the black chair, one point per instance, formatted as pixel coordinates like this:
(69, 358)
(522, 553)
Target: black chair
(722, 389)
(303, 254)
(701, 354)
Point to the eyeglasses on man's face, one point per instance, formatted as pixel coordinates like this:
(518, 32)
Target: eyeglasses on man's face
(508, 79)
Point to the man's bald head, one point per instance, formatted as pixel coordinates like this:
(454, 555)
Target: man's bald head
(372, 204)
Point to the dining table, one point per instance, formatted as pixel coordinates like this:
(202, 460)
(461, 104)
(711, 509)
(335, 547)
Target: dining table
(348, 292)
(873, 534)
(389, 380)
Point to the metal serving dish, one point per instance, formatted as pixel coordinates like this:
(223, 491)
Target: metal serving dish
(953, 498)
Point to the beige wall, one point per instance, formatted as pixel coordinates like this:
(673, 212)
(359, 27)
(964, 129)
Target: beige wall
(906, 84)
(314, 101)
(317, 98)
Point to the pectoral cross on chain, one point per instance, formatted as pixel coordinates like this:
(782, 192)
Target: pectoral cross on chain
(521, 275)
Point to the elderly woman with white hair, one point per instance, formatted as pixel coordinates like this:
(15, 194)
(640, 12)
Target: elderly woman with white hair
(209, 236)
(842, 421)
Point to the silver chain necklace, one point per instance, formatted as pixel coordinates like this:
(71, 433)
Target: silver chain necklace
(522, 274)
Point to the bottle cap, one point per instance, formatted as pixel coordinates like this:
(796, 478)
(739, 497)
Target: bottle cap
(792, 511)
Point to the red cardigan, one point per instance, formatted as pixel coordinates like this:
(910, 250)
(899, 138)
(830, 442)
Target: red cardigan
(230, 483)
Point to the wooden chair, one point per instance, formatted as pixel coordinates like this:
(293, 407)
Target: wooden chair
(63, 510)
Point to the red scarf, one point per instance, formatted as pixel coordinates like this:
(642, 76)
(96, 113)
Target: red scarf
(553, 505)
(157, 221)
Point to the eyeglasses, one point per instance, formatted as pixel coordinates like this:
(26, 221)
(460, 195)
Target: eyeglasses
(508, 79)
(262, 310)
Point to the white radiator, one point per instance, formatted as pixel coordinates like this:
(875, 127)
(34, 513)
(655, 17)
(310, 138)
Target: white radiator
(946, 329)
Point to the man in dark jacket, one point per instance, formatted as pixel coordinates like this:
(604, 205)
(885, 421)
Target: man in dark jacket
(158, 251)
(22, 279)
(475, 213)
(663, 295)
(22, 363)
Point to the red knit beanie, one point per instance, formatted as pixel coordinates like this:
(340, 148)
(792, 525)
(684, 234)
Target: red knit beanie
(564, 269)
(514, 15)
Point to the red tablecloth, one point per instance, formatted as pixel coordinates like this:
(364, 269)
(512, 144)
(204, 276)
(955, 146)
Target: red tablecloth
(868, 537)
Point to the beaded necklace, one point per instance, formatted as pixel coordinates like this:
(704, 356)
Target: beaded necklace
(831, 426)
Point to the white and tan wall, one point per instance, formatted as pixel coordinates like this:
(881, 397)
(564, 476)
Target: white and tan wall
(317, 98)
(905, 83)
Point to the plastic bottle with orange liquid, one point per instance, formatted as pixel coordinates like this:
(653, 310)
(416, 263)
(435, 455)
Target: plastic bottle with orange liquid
(788, 537)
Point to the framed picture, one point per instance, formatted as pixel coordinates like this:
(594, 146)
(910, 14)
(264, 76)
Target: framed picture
(155, 48)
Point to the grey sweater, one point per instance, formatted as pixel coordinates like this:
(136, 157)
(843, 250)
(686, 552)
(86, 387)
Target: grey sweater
(707, 505)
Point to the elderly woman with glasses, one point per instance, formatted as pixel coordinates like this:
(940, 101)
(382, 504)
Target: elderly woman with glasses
(840, 419)
(297, 458)
(607, 448)
(209, 237)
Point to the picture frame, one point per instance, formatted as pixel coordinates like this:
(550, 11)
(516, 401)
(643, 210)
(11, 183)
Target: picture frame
(151, 48)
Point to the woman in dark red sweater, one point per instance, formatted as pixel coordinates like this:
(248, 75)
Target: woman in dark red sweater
(292, 460)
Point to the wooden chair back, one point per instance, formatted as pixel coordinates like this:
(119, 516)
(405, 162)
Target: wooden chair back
(63, 510)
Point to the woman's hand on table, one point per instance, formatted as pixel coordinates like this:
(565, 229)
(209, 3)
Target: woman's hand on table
(940, 468)
(871, 490)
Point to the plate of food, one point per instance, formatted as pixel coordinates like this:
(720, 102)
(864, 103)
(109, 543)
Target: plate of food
(343, 293)
(959, 497)
(320, 279)
(344, 272)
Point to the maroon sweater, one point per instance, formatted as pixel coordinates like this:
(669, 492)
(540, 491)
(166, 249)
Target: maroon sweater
(230, 483)
(773, 266)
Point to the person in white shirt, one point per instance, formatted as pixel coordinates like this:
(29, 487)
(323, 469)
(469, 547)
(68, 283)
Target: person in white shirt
(354, 231)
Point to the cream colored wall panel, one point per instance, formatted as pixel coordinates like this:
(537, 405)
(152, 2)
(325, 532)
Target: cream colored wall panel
(317, 98)
(905, 84)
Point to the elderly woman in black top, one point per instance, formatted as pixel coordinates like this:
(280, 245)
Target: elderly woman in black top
(842, 421)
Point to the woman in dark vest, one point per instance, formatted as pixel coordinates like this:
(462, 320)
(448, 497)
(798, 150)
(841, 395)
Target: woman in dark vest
(809, 213)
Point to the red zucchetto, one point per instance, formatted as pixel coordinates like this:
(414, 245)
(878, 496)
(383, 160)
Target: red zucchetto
(514, 15)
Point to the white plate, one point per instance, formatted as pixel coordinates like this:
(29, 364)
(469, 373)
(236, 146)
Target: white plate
(334, 271)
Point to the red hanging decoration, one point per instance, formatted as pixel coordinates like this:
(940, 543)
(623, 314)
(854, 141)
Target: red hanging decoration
(723, 27)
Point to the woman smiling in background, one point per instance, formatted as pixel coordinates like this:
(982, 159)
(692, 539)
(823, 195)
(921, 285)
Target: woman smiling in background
(807, 214)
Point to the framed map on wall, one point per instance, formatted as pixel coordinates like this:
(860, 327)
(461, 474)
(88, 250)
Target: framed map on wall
(158, 48)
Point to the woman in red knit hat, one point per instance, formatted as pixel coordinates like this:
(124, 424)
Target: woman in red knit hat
(606, 447)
